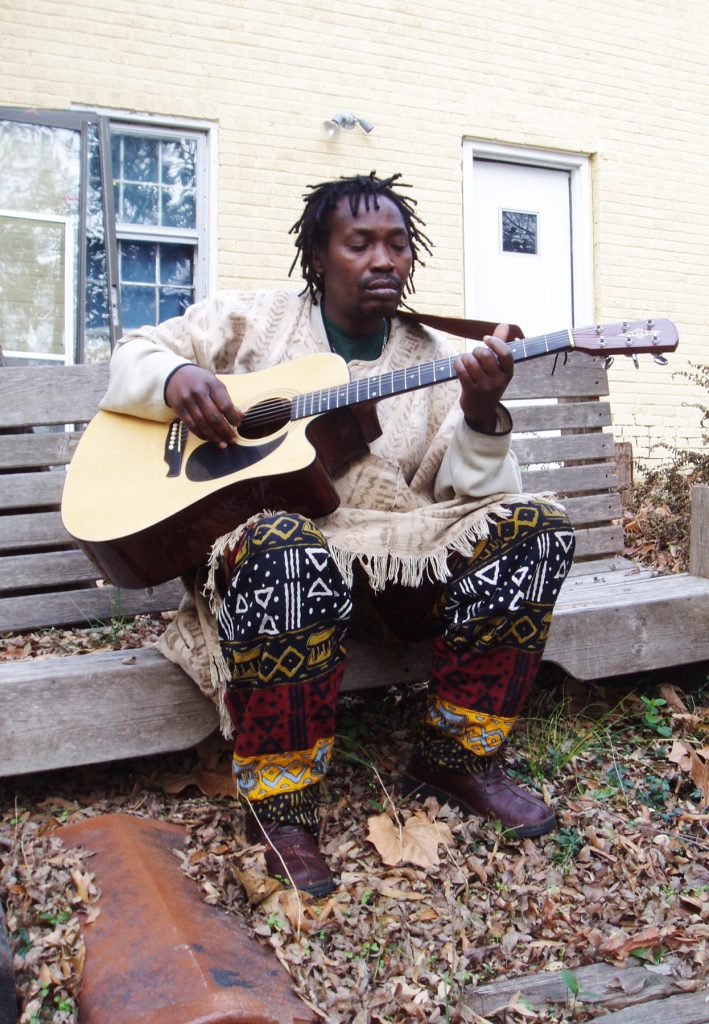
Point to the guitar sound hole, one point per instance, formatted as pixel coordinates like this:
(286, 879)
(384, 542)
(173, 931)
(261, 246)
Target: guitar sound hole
(266, 418)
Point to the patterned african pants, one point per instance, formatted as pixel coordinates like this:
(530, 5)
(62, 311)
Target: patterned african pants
(286, 610)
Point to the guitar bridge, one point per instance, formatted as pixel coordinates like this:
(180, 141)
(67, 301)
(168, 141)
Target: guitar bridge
(175, 447)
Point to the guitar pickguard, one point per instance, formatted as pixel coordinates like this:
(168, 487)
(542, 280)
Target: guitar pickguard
(208, 462)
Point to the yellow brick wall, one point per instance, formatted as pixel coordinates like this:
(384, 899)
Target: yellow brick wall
(627, 83)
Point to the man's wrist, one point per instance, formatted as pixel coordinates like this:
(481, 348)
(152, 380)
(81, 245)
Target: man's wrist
(499, 423)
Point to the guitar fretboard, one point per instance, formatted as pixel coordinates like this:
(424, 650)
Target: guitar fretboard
(414, 377)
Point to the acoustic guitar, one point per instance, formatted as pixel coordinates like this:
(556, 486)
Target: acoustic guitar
(146, 500)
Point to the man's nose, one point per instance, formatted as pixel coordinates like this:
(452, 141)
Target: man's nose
(381, 256)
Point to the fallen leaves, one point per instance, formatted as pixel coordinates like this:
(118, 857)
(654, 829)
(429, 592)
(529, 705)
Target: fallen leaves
(212, 783)
(47, 891)
(694, 763)
(416, 842)
(141, 631)
(447, 905)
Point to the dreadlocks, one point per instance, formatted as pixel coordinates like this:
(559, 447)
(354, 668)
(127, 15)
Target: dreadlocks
(312, 230)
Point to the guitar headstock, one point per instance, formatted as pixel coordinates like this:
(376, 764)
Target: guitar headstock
(629, 338)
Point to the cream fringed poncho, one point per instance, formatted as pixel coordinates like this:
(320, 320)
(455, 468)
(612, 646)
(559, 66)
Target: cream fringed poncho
(426, 489)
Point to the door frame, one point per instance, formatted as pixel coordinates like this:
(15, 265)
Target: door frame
(579, 168)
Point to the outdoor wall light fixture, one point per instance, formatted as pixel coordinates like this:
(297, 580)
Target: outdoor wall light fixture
(346, 121)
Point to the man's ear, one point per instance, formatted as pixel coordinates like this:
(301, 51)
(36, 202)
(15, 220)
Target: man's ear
(316, 261)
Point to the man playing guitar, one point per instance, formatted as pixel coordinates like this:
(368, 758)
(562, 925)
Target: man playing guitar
(432, 533)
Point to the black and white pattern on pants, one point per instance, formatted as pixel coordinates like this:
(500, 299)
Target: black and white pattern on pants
(287, 607)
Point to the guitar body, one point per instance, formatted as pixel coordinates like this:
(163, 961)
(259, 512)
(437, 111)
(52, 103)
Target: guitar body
(141, 526)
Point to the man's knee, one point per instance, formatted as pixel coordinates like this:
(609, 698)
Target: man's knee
(537, 517)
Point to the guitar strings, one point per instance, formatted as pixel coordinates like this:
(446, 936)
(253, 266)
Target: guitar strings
(276, 410)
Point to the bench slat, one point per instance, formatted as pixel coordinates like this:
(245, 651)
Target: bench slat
(575, 416)
(46, 571)
(598, 476)
(31, 490)
(33, 530)
(97, 707)
(599, 542)
(533, 450)
(594, 508)
(47, 395)
(581, 375)
(22, 451)
(82, 607)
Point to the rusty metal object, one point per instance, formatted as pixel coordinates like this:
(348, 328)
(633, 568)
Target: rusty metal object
(157, 954)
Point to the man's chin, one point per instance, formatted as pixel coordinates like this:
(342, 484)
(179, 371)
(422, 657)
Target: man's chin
(384, 305)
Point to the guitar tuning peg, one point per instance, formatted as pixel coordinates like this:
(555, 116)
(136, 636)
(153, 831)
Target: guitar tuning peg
(660, 360)
(607, 362)
(636, 364)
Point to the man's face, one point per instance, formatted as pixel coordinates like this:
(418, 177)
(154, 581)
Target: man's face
(365, 266)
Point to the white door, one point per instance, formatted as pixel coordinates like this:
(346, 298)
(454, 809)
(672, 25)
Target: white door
(520, 261)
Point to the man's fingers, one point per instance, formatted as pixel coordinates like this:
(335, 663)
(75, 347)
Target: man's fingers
(203, 403)
(224, 404)
(210, 423)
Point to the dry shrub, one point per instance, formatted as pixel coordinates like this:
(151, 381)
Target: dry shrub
(658, 511)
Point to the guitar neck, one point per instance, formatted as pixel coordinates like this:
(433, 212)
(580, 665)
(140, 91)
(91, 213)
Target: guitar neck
(396, 382)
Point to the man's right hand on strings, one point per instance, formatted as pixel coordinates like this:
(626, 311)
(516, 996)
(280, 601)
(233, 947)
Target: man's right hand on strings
(203, 404)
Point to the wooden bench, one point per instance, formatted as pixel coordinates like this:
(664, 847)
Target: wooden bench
(612, 617)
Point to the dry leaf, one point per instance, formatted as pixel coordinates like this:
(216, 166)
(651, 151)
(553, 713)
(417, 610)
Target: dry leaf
(417, 843)
(210, 783)
(681, 755)
(400, 894)
(82, 882)
(671, 694)
(257, 887)
(621, 946)
(291, 905)
(695, 764)
(92, 913)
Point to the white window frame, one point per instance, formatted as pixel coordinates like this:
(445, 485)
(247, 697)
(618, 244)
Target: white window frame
(579, 168)
(207, 135)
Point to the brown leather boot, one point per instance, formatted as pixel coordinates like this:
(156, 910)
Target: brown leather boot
(488, 793)
(294, 846)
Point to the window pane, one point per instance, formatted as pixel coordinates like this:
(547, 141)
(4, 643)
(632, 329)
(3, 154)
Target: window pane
(179, 162)
(97, 344)
(39, 236)
(519, 232)
(157, 281)
(176, 264)
(171, 164)
(173, 302)
(40, 168)
(96, 295)
(138, 262)
(140, 159)
(155, 181)
(179, 209)
(139, 204)
(32, 311)
(137, 306)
